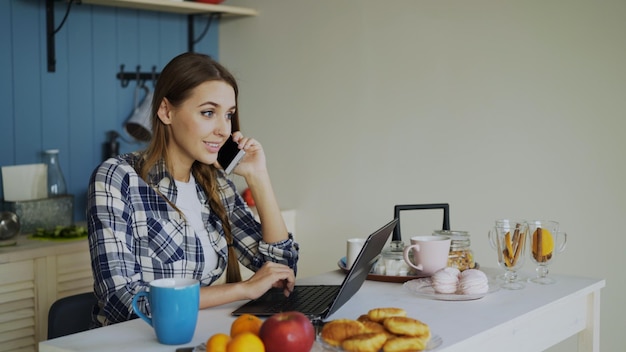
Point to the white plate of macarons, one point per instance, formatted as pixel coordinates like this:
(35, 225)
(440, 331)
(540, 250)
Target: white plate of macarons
(450, 284)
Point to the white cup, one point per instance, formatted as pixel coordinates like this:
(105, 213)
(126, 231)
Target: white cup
(353, 246)
(430, 253)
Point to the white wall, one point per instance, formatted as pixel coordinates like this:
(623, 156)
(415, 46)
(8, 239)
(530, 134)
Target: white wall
(499, 108)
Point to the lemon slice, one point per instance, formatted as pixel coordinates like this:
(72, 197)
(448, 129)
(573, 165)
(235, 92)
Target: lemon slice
(546, 246)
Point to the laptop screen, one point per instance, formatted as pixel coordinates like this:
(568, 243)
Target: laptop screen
(323, 304)
(362, 265)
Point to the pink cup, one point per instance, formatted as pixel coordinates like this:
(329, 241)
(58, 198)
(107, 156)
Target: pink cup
(430, 253)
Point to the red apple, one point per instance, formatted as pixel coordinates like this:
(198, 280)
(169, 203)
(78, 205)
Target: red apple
(287, 332)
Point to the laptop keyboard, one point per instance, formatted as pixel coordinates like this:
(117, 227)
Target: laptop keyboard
(307, 299)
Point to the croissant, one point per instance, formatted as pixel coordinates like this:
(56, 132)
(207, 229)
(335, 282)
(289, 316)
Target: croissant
(335, 331)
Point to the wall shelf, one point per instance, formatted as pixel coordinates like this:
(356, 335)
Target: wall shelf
(189, 8)
(182, 7)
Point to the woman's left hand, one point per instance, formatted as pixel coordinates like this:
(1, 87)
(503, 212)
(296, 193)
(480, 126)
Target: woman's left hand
(254, 160)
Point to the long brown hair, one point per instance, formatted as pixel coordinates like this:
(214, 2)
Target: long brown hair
(176, 82)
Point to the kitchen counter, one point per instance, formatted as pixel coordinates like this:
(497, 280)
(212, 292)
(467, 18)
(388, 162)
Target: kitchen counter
(531, 319)
(28, 248)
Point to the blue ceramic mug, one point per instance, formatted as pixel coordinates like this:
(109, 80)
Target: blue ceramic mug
(173, 309)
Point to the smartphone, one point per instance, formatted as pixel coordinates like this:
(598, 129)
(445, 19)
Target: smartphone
(230, 155)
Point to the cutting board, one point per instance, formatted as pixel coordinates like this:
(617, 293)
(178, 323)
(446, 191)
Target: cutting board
(24, 182)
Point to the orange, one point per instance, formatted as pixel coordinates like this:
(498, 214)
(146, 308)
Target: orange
(545, 247)
(246, 323)
(245, 342)
(217, 343)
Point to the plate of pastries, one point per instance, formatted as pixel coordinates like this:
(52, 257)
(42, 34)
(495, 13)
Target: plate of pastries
(380, 329)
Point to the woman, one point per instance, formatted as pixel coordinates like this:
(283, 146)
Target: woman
(170, 211)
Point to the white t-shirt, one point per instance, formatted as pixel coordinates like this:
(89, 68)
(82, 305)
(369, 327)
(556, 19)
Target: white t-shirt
(188, 202)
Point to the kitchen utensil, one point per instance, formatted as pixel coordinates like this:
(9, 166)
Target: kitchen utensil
(9, 228)
(24, 182)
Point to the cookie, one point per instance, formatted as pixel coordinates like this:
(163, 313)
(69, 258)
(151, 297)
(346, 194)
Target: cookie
(380, 314)
(406, 326)
(368, 342)
(405, 343)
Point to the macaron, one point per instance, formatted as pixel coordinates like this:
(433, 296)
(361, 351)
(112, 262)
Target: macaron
(473, 281)
(445, 280)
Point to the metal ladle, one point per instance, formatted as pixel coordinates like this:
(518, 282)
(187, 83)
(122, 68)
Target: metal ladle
(9, 228)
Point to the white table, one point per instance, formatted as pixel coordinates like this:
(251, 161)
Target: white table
(531, 319)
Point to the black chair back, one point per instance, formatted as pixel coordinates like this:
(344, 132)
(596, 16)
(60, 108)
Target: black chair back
(71, 314)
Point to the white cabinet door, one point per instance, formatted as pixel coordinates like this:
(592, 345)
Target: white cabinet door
(17, 307)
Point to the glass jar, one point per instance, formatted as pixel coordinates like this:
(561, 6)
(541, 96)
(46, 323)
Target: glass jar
(461, 256)
(56, 181)
(391, 262)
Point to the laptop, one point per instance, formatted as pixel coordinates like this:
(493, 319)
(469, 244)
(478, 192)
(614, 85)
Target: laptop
(320, 301)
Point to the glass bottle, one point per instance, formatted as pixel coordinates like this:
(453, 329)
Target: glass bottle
(461, 256)
(56, 181)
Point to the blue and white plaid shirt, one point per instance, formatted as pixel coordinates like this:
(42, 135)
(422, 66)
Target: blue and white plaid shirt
(135, 236)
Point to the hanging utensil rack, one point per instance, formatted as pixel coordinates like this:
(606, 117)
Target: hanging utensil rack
(126, 77)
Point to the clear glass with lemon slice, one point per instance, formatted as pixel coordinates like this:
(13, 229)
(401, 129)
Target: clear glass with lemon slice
(545, 242)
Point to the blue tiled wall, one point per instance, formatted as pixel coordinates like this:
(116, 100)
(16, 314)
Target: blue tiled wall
(73, 108)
